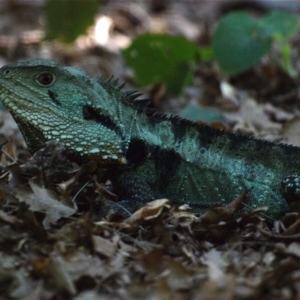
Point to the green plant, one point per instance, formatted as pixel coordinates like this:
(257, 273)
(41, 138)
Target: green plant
(240, 41)
(67, 19)
(157, 58)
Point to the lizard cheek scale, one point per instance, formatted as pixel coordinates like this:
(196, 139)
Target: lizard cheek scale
(147, 155)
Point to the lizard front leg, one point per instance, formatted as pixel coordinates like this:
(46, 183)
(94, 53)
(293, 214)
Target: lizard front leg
(133, 191)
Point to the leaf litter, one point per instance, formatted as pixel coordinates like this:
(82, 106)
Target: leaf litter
(50, 248)
(53, 246)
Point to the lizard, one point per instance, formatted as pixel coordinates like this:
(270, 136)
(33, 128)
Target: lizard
(148, 155)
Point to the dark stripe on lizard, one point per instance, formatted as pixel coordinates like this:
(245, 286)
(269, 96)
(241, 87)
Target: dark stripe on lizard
(89, 113)
(53, 97)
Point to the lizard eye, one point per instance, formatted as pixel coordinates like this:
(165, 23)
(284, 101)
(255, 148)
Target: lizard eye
(45, 79)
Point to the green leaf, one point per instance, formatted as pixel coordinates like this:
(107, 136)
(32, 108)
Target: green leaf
(239, 43)
(286, 60)
(206, 53)
(280, 23)
(67, 19)
(157, 58)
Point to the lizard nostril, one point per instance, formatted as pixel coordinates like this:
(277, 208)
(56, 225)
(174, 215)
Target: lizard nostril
(7, 72)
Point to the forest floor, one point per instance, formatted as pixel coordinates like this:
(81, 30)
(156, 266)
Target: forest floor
(52, 246)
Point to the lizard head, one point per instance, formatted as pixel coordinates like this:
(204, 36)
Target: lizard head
(52, 102)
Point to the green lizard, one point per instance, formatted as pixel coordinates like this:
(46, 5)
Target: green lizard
(147, 155)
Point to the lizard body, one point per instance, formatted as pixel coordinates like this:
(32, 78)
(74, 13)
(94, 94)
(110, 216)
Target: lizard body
(148, 155)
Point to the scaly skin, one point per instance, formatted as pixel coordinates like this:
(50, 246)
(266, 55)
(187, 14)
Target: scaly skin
(147, 155)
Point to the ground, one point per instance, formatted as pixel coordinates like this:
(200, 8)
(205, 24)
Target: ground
(53, 245)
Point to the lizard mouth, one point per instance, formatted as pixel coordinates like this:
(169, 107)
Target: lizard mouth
(23, 108)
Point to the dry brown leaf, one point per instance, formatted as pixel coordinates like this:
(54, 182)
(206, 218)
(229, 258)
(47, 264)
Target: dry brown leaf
(282, 272)
(150, 211)
(252, 118)
(44, 200)
(290, 131)
(105, 196)
(104, 246)
(87, 168)
(10, 219)
(179, 277)
(116, 225)
(217, 213)
(294, 248)
(280, 237)
(153, 264)
(80, 262)
(59, 275)
(37, 293)
(217, 265)
(277, 113)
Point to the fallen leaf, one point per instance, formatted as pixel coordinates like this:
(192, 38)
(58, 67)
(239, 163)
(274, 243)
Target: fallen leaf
(290, 131)
(150, 211)
(105, 247)
(44, 200)
(219, 213)
(59, 275)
